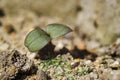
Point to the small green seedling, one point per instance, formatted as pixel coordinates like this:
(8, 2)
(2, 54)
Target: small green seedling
(37, 38)
(84, 71)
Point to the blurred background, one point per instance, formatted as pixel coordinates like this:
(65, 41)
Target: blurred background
(97, 20)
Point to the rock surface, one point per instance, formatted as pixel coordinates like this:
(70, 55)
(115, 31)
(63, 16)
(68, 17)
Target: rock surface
(12, 64)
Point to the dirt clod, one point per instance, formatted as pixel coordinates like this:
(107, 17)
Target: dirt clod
(13, 63)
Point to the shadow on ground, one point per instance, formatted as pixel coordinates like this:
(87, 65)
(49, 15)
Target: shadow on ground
(48, 53)
(83, 54)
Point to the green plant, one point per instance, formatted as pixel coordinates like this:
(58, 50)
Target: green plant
(37, 38)
(83, 72)
(46, 65)
(53, 62)
(71, 78)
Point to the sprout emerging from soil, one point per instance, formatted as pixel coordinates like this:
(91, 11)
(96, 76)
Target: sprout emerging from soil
(38, 39)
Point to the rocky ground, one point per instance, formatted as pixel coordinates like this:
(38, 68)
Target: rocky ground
(73, 59)
(76, 56)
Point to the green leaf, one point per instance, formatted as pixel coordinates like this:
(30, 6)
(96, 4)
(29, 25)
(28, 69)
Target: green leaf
(57, 30)
(36, 39)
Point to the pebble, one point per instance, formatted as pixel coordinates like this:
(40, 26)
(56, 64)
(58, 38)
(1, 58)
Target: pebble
(116, 64)
(75, 63)
(94, 75)
(88, 62)
(32, 55)
(60, 70)
(59, 46)
(79, 44)
(92, 45)
(118, 41)
(4, 46)
(41, 75)
(115, 75)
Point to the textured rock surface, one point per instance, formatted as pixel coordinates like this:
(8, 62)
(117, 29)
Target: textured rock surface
(12, 64)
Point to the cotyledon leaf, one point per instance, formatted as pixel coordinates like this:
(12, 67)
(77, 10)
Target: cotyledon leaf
(36, 39)
(56, 30)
